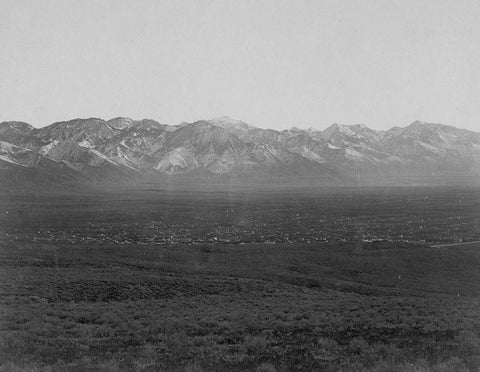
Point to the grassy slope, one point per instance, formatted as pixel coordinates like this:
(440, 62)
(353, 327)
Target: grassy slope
(264, 307)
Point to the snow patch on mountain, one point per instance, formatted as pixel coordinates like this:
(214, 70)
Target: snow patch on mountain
(10, 160)
(174, 161)
(7, 147)
(222, 145)
(85, 144)
(309, 154)
(330, 146)
(48, 147)
(353, 154)
(429, 147)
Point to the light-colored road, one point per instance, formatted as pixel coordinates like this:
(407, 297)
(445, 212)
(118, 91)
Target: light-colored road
(455, 244)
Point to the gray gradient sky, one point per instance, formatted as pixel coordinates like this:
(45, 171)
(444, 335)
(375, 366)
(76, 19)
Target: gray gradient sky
(273, 64)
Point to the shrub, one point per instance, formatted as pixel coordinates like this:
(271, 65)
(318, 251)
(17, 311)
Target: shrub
(325, 349)
(452, 364)
(194, 367)
(111, 365)
(387, 352)
(420, 365)
(467, 338)
(359, 346)
(255, 344)
(11, 367)
(327, 344)
(177, 344)
(266, 367)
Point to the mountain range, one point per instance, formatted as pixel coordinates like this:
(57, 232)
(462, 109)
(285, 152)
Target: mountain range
(223, 150)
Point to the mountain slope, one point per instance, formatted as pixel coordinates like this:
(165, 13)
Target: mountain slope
(122, 150)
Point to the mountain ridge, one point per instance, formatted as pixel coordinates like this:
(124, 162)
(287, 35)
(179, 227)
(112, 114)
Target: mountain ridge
(124, 150)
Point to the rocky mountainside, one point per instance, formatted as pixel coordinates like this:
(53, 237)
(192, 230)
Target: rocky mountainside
(122, 150)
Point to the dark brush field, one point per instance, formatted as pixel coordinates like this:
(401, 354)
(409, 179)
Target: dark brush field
(147, 280)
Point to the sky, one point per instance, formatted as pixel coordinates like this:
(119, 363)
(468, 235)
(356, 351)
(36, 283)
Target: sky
(273, 64)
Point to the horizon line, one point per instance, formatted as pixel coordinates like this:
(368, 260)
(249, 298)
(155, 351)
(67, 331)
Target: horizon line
(236, 120)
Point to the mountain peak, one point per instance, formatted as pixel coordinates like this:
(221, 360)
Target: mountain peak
(86, 120)
(418, 125)
(222, 145)
(14, 131)
(20, 125)
(120, 123)
(334, 129)
(225, 118)
(227, 122)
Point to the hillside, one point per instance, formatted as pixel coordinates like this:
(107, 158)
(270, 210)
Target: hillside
(125, 151)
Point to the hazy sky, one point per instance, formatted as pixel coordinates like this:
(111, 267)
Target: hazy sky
(272, 63)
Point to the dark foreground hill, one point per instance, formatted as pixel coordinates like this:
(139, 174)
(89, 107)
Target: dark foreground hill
(239, 308)
(93, 151)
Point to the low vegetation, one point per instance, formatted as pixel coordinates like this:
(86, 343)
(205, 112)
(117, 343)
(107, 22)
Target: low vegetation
(249, 308)
(88, 303)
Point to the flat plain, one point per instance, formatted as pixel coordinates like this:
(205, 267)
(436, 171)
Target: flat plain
(257, 280)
